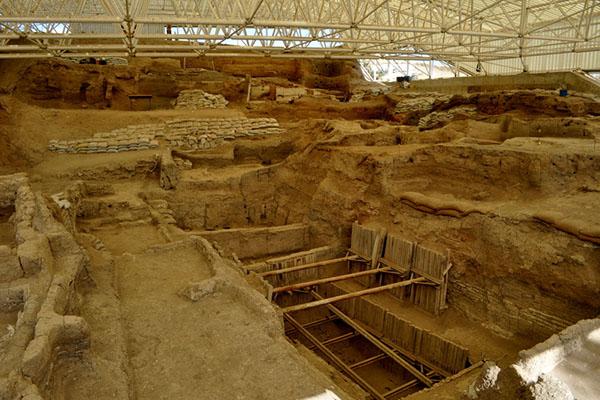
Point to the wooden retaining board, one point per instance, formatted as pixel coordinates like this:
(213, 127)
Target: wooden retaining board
(425, 346)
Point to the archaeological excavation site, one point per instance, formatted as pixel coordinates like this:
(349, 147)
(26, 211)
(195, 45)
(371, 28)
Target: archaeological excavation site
(299, 200)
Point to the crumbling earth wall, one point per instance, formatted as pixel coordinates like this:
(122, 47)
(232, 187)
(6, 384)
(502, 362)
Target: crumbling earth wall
(50, 261)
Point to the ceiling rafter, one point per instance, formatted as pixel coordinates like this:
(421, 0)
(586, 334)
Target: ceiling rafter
(458, 31)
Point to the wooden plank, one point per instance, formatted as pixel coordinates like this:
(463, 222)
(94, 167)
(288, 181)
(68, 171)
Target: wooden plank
(302, 257)
(465, 371)
(325, 320)
(352, 295)
(430, 264)
(337, 339)
(413, 356)
(301, 285)
(368, 361)
(334, 359)
(408, 385)
(398, 253)
(367, 242)
(307, 266)
(375, 341)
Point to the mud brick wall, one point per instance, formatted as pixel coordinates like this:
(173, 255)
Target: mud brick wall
(260, 242)
(189, 134)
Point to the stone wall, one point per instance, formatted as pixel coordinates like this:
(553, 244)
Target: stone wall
(42, 292)
(191, 134)
(260, 242)
(198, 134)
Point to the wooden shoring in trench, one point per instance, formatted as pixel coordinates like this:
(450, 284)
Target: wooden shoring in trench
(308, 266)
(334, 358)
(316, 344)
(376, 342)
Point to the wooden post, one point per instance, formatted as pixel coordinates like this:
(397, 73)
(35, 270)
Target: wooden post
(352, 295)
(335, 359)
(301, 285)
(249, 81)
(306, 266)
(374, 340)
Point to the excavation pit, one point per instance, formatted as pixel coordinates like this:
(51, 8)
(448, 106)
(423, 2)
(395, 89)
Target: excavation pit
(339, 344)
(380, 352)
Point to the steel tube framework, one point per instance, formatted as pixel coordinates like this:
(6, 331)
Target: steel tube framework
(462, 32)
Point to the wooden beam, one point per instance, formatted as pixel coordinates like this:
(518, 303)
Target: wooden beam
(341, 338)
(307, 266)
(334, 359)
(352, 295)
(413, 357)
(407, 354)
(301, 285)
(368, 361)
(374, 340)
(325, 320)
(408, 385)
(337, 339)
(465, 371)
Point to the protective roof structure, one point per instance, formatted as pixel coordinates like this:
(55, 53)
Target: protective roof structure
(491, 35)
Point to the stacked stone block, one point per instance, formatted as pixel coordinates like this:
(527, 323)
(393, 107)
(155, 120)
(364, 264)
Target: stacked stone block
(208, 133)
(134, 137)
(195, 99)
(196, 134)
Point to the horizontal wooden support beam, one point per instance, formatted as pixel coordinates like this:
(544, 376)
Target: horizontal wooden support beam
(375, 341)
(334, 359)
(341, 338)
(408, 385)
(368, 361)
(352, 295)
(407, 354)
(325, 320)
(307, 266)
(338, 339)
(413, 357)
(321, 281)
(465, 371)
